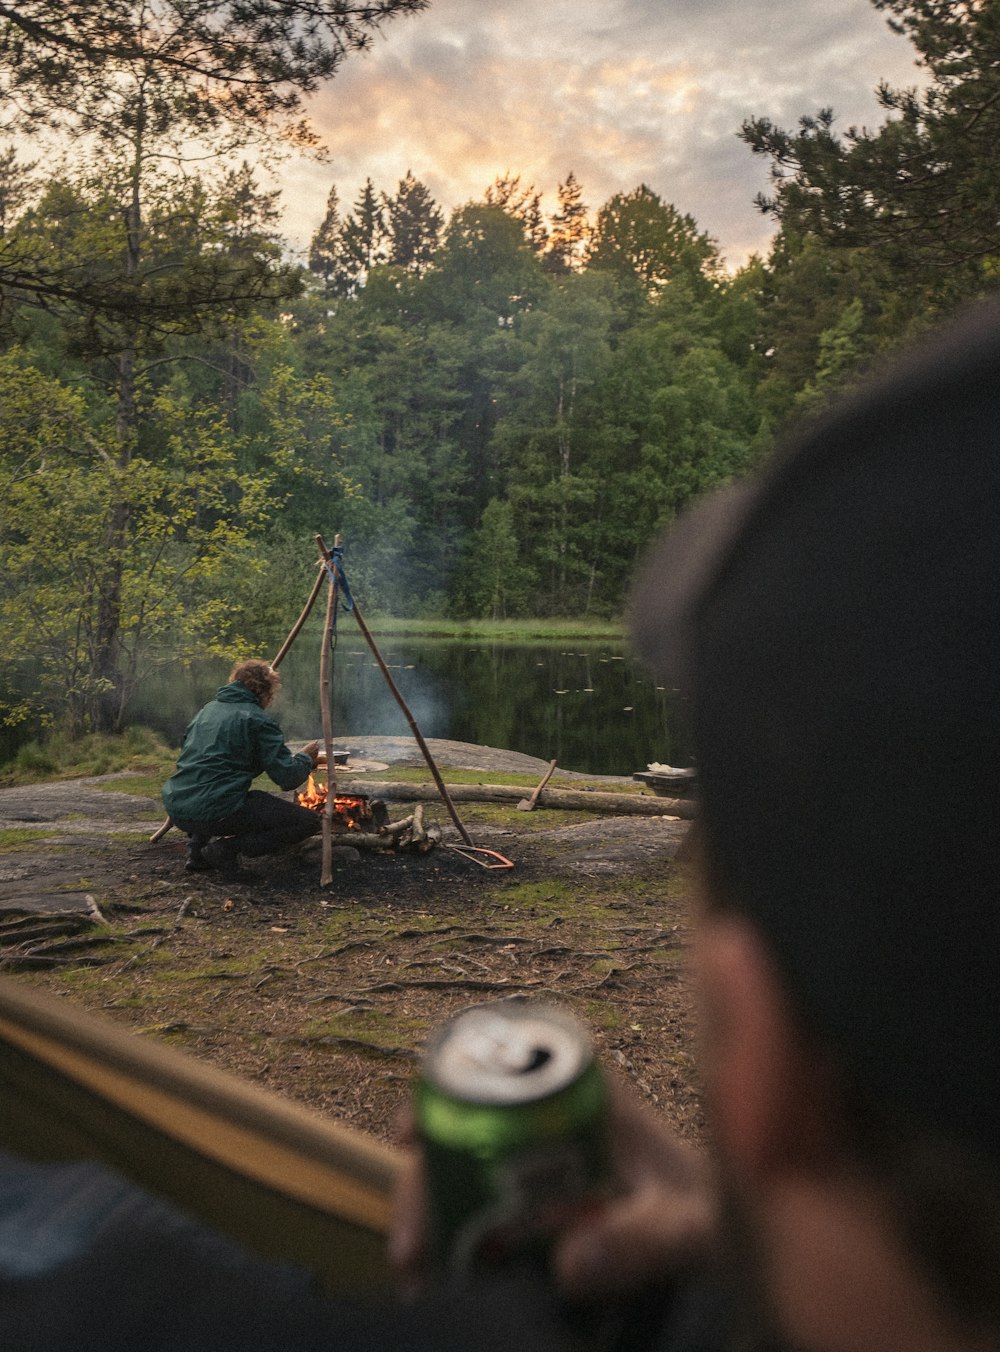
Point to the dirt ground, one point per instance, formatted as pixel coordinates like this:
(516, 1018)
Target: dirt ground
(326, 994)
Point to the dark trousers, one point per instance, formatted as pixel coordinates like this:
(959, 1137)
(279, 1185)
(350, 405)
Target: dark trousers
(263, 824)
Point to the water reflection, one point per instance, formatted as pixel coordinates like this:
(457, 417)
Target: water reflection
(587, 705)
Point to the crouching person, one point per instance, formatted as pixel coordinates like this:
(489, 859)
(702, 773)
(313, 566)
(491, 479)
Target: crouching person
(227, 745)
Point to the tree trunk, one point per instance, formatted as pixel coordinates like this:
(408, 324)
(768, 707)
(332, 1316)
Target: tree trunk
(108, 700)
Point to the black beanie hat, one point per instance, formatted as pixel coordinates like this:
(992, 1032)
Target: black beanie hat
(836, 622)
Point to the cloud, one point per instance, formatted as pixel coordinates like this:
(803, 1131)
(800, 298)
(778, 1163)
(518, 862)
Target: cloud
(635, 91)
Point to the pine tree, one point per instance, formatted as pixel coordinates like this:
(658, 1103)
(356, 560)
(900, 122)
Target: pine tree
(524, 204)
(242, 60)
(640, 238)
(363, 237)
(924, 188)
(324, 247)
(569, 235)
(413, 224)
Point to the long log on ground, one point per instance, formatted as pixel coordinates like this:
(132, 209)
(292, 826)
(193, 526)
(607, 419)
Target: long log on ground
(585, 800)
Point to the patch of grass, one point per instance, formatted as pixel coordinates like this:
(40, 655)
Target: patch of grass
(549, 821)
(681, 880)
(86, 981)
(20, 837)
(670, 955)
(34, 762)
(56, 757)
(367, 1025)
(175, 969)
(132, 837)
(509, 631)
(139, 785)
(603, 1014)
(418, 774)
(343, 924)
(549, 894)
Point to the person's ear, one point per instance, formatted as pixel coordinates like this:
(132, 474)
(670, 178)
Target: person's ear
(769, 1093)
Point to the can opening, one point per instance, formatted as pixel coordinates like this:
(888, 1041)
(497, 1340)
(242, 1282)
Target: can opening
(540, 1056)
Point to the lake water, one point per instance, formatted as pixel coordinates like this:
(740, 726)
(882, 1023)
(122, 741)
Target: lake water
(586, 704)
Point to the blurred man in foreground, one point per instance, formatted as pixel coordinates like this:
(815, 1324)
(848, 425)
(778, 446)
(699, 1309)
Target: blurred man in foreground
(836, 623)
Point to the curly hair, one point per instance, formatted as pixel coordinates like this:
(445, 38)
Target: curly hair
(260, 679)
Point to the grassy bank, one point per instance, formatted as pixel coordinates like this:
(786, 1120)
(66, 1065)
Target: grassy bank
(499, 631)
(138, 750)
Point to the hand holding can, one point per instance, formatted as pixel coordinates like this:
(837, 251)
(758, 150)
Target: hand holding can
(512, 1111)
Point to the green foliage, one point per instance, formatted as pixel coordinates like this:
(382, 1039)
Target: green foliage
(251, 60)
(639, 237)
(133, 250)
(840, 355)
(493, 582)
(922, 191)
(57, 757)
(196, 507)
(497, 412)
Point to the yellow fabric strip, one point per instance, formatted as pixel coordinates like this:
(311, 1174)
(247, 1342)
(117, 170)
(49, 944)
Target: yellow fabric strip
(266, 1171)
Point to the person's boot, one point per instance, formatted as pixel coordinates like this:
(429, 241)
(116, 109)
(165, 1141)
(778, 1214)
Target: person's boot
(196, 861)
(222, 854)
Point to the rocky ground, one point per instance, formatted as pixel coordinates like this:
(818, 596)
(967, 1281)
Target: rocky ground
(326, 994)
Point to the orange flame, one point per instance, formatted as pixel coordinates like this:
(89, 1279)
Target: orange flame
(351, 811)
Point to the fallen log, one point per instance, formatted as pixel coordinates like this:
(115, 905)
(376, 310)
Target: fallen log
(579, 800)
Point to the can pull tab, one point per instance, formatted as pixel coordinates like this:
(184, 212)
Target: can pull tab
(502, 1046)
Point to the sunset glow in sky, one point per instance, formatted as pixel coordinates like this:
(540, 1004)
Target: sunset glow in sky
(621, 92)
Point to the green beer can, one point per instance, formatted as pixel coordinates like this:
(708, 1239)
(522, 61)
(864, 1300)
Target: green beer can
(512, 1109)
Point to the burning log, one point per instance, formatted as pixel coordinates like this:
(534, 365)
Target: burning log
(364, 822)
(351, 811)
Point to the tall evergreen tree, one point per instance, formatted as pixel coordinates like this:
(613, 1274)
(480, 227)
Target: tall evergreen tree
(524, 204)
(569, 232)
(325, 258)
(363, 240)
(413, 224)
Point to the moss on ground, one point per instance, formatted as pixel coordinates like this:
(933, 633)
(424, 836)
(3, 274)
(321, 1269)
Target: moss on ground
(13, 838)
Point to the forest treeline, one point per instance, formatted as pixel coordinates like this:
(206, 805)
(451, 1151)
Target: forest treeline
(497, 404)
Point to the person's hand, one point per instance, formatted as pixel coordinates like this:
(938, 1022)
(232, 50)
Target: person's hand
(311, 749)
(660, 1217)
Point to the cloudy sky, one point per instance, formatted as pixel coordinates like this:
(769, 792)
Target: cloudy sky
(621, 92)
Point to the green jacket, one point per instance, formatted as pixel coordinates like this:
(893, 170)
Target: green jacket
(226, 746)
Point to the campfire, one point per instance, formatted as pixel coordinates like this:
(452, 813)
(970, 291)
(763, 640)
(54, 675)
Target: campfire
(351, 812)
(366, 821)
